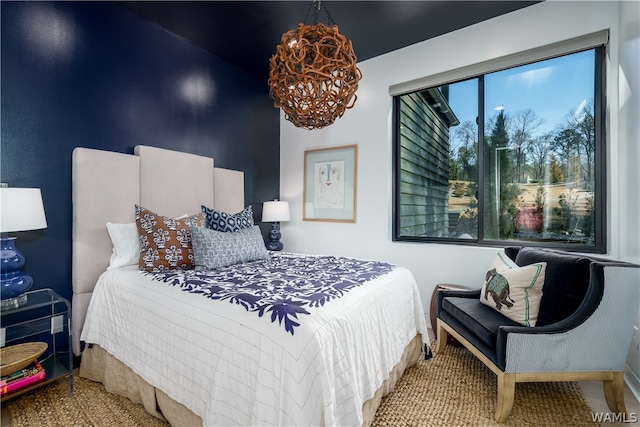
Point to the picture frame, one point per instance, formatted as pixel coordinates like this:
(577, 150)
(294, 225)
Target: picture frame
(330, 184)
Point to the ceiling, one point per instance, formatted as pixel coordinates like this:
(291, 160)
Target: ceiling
(246, 33)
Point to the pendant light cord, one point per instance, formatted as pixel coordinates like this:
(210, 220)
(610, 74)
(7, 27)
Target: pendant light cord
(316, 5)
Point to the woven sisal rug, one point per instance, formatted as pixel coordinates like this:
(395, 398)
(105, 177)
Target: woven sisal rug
(453, 389)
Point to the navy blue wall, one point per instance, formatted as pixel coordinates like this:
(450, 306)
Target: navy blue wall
(95, 75)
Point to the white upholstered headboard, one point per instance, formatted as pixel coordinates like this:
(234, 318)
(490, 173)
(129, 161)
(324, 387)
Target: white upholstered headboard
(107, 185)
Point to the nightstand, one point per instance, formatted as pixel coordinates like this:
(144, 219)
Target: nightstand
(46, 316)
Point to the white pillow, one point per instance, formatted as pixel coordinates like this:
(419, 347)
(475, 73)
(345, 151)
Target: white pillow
(514, 291)
(502, 262)
(126, 245)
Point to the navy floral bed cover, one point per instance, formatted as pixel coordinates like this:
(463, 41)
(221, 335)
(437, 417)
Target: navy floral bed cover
(286, 286)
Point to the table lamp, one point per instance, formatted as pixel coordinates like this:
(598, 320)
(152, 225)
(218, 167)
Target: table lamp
(21, 209)
(275, 212)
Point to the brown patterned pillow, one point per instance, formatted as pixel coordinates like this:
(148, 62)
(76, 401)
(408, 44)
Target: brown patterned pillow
(165, 243)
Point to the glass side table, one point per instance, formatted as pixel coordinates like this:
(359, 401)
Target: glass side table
(46, 317)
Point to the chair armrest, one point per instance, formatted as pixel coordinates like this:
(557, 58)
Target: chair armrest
(595, 337)
(443, 293)
(584, 311)
(589, 304)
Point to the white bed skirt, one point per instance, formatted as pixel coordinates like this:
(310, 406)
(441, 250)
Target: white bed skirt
(98, 365)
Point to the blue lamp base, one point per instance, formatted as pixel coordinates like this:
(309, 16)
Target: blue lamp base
(13, 282)
(274, 243)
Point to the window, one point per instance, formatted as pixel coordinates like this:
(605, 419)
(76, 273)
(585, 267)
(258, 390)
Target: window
(514, 156)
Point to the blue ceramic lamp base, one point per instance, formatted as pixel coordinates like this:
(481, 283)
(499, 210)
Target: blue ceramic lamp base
(274, 243)
(13, 282)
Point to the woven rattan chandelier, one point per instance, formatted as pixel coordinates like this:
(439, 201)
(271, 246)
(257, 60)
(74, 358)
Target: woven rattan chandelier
(313, 75)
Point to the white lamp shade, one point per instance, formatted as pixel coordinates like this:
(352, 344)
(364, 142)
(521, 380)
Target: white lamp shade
(21, 210)
(275, 211)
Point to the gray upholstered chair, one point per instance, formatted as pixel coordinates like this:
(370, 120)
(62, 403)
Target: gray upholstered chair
(584, 329)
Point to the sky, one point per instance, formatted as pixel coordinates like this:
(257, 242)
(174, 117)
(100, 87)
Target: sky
(552, 89)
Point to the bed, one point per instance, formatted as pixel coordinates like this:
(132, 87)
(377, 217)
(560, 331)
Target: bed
(272, 339)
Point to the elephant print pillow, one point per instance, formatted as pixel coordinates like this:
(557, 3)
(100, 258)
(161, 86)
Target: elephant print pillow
(514, 291)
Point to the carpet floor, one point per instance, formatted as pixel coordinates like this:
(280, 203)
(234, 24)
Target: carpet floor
(452, 389)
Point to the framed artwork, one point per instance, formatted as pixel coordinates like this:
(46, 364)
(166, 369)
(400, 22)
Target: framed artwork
(330, 181)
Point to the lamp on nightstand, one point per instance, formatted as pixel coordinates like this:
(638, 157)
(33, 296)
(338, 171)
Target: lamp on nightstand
(275, 212)
(21, 209)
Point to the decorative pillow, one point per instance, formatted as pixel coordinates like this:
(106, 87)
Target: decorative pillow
(502, 262)
(514, 291)
(222, 221)
(126, 244)
(214, 249)
(165, 243)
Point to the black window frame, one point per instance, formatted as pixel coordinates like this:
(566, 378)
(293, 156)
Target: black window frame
(600, 170)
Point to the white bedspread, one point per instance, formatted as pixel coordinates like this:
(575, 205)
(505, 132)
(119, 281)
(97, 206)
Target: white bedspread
(231, 367)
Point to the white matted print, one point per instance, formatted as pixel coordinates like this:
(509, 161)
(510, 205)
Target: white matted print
(330, 184)
(329, 189)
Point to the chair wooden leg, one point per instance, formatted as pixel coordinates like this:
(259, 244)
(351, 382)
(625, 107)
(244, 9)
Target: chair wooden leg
(614, 393)
(506, 395)
(442, 337)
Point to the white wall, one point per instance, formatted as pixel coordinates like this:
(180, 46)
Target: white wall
(368, 124)
(628, 87)
(629, 168)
